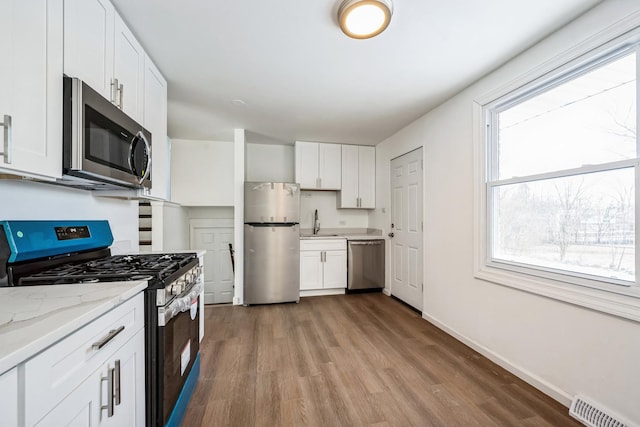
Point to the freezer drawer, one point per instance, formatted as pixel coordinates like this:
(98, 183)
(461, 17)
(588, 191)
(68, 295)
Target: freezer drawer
(271, 202)
(271, 263)
(365, 269)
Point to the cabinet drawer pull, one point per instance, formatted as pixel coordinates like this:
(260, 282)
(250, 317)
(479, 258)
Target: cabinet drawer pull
(117, 382)
(111, 335)
(8, 139)
(110, 380)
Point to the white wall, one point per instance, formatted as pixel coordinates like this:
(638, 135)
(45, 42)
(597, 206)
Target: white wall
(32, 200)
(269, 162)
(202, 172)
(561, 348)
(174, 220)
(330, 217)
(210, 212)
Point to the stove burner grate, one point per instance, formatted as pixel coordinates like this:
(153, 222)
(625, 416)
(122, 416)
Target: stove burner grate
(111, 268)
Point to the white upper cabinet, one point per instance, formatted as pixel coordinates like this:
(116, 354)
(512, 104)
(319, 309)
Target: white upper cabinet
(155, 121)
(358, 177)
(318, 165)
(306, 165)
(100, 50)
(128, 70)
(31, 41)
(88, 43)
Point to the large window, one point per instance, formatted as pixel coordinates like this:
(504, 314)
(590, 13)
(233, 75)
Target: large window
(562, 173)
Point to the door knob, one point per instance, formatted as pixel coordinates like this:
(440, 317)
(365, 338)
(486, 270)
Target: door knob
(391, 234)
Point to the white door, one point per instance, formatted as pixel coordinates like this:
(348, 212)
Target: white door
(406, 228)
(218, 272)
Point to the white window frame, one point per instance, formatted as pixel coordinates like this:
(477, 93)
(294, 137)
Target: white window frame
(587, 291)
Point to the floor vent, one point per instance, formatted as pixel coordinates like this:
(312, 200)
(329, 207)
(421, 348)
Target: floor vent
(593, 415)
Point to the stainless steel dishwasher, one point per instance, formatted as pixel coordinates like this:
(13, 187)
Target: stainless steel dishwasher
(365, 267)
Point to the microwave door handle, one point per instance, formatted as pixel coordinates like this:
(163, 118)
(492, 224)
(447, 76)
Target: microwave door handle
(147, 169)
(132, 168)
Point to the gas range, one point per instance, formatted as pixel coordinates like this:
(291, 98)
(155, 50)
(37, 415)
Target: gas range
(77, 252)
(173, 272)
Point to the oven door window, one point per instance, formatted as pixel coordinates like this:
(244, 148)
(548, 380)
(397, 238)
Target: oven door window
(107, 143)
(180, 348)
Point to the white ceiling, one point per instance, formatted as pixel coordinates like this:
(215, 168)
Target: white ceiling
(301, 78)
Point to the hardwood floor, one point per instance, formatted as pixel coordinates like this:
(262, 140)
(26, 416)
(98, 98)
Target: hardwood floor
(352, 360)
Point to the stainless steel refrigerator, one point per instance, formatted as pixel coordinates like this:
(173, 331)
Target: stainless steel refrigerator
(271, 242)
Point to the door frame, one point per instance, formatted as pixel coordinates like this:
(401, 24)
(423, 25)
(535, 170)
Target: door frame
(388, 290)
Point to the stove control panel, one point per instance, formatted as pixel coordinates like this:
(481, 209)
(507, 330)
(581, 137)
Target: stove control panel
(69, 233)
(36, 240)
(179, 286)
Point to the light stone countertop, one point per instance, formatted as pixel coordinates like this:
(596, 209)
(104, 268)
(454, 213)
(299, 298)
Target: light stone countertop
(342, 233)
(33, 318)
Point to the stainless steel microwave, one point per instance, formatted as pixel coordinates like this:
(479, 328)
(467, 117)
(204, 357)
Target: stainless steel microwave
(103, 148)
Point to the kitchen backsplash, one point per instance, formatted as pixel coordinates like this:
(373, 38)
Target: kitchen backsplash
(328, 215)
(32, 200)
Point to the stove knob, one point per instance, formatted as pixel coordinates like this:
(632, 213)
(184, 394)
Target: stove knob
(176, 288)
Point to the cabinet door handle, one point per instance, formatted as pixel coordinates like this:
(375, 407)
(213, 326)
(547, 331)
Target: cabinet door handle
(8, 139)
(121, 91)
(111, 335)
(110, 380)
(114, 90)
(117, 382)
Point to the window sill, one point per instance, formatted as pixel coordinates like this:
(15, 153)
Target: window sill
(623, 302)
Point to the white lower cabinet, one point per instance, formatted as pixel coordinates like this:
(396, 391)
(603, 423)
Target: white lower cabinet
(323, 264)
(9, 401)
(95, 376)
(113, 395)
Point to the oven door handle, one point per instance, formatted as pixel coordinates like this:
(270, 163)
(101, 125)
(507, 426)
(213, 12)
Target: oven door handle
(179, 304)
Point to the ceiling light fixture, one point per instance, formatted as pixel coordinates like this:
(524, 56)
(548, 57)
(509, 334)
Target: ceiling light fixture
(363, 19)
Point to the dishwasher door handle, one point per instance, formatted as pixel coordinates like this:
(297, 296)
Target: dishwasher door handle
(366, 242)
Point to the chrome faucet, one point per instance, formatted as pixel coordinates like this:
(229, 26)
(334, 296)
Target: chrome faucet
(316, 224)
